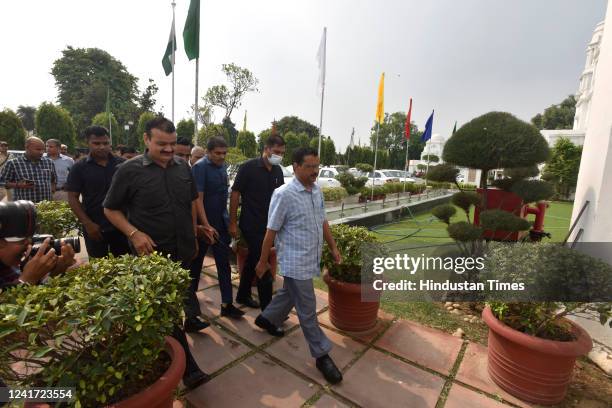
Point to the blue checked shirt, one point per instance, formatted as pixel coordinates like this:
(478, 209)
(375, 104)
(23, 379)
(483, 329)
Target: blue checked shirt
(297, 215)
(42, 172)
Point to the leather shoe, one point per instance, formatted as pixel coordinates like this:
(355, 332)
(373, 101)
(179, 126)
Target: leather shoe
(195, 324)
(231, 311)
(326, 366)
(267, 325)
(195, 378)
(248, 302)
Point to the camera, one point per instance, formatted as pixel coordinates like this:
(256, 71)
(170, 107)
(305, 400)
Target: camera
(55, 243)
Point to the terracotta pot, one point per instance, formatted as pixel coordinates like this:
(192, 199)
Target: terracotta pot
(533, 369)
(160, 394)
(241, 257)
(346, 310)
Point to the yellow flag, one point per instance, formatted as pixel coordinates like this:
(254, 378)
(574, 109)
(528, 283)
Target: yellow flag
(380, 105)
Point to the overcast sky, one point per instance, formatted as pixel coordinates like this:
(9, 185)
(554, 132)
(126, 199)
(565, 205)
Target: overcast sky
(461, 58)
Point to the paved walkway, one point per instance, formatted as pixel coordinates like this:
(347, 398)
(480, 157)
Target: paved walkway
(397, 364)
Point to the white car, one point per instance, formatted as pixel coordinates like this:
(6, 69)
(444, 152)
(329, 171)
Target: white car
(402, 175)
(327, 177)
(381, 177)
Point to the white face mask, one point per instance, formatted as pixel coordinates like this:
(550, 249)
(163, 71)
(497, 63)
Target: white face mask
(275, 160)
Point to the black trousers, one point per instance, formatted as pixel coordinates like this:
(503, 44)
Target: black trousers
(113, 242)
(264, 284)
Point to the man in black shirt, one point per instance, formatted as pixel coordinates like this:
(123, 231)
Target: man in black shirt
(254, 184)
(157, 192)
(91, 178)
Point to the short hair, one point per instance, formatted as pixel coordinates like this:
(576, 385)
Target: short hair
(97, 131)
(184, 141)
(55, 142)
(159, 123)
(275, 140)
(214, 142)
(301, 153)
(2, 143)
(127, 149)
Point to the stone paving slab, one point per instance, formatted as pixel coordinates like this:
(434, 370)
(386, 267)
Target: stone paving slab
(327, 401)
(246, 328)
(423, 345)
(379, 380)
(255, 382)
(293, 350)
(213, 349)
(473, 371)
(366, 336)
(210, 301)
(461, 397)
(207, 281)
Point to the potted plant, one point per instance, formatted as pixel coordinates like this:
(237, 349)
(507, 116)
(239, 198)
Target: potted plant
(532, 345)
(101, 328)
(347, 311)
(366, 193)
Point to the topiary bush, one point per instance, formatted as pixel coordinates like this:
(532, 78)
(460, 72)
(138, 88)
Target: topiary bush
(366, 192)
(351, 184)
(532, 191)
(463, 231)
(100, 326)
(334, 193)
(350, 242)
(364, 167)
(56, 218)
(443, 173)
(444, 212)
(499, 220)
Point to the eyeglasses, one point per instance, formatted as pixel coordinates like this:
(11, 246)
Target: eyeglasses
(311, 166)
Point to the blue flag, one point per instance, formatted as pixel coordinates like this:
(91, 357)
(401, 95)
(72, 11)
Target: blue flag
(428, 126)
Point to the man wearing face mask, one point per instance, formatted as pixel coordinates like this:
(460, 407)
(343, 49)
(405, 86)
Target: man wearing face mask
(254, 184)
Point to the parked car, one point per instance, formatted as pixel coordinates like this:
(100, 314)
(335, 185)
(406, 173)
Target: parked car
(327, 177)
(401, 174)
(356, 172)
(380, 177)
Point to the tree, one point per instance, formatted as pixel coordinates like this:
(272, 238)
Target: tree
(140, 129)
(210, 131)
(102, 119)
(231, 131)
(495, 140)
(12, 130)
(83, 77)
(328, 150)
(431, 157)
(391, 139)
(146, 100)
(297, 126)
(54, 122)
(185, 128)
(559, 116)
(27, 115)
(241, 81)
(562, 168)
(247, 144)
(235, 156)
(293, 142)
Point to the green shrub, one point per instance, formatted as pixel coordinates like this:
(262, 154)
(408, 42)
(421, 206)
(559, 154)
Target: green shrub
(465, 200)
(342, 168)
(519, 173)
(367, 191)
(466, 186)
(364, 167)
(499, 220)
(548, 270)
(55, 218)
(443, 173)
(334, 193)
(11, 129)
(349, 240)
(463, 231)
(100, 326)
(351, 184)
(532, 191)
(444, 212)
(439, 185)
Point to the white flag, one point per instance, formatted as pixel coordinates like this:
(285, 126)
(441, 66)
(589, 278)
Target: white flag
(321, 59)
(352, 145)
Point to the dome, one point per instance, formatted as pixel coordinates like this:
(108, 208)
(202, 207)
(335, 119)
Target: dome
(437, 138)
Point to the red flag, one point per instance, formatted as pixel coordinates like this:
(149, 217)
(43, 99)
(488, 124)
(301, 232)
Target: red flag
(407, 130)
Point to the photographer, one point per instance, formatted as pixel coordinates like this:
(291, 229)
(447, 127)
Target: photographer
(17, 266)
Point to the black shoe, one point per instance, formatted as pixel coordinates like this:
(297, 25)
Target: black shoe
(195, 324)
(231, 311)
(265, 324)
(331, 373)
(248, 302)
(195, 378)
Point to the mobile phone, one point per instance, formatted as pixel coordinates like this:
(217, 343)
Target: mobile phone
(28, 181)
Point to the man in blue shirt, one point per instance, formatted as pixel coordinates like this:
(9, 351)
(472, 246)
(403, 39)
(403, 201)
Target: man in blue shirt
(297, 227)
(210, 175)
(62, 164)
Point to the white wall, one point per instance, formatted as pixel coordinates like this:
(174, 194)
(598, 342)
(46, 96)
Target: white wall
(595, 176)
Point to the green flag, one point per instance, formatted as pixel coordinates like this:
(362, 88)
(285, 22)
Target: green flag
(455, 128)
(168, 59)
(191, 32)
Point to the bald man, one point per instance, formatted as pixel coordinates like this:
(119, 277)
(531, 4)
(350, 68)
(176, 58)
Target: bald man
(31, 175)
(197, 153)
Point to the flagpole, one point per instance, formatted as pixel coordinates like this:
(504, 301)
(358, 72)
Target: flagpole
(195, 122)
(322, 87)
(375, 156)
(173, 45)
(406, 165)
(108, 112)
(428, 157)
